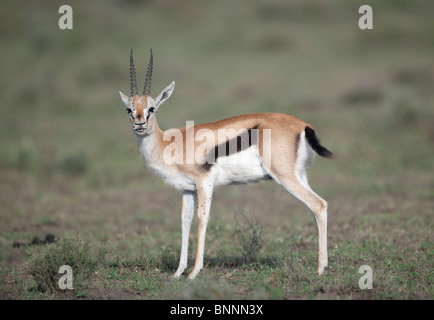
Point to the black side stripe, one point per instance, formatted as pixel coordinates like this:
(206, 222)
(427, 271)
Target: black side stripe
(225, 150)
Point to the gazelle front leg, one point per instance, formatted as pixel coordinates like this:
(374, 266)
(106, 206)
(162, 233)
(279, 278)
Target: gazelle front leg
(188, 204)
(204, 196)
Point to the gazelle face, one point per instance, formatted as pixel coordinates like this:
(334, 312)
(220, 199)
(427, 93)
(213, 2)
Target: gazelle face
(140, 112)
(141, 108)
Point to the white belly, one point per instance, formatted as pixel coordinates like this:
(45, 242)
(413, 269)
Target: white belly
(175, 178)
(241, 168)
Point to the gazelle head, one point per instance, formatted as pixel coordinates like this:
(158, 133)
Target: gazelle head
(141, 109)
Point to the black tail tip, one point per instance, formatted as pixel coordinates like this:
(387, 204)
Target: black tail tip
(315, 144)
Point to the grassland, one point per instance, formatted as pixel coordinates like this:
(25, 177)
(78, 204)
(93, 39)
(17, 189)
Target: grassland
(69, 165)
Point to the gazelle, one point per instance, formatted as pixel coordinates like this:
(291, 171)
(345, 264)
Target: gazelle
(276, 146)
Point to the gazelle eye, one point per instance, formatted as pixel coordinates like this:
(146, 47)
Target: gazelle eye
(129, 111)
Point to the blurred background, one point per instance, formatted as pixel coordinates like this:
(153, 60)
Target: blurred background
(69, 162)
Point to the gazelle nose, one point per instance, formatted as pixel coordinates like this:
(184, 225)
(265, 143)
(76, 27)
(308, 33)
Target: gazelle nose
(139, 116)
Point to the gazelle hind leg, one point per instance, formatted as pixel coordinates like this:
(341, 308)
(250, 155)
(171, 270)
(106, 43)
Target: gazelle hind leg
(318, 207)
(321, 217)
(295, 182)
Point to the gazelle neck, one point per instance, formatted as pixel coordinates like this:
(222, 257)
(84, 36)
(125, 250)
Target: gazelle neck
(149, 144)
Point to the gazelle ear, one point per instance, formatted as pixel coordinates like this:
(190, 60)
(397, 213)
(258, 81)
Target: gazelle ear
(164, 95)
(125, 99)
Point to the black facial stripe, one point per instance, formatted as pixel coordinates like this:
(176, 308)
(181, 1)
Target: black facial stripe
(151, 110)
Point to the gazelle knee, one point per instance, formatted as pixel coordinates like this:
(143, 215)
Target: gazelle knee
(320, 209)
(324, 206)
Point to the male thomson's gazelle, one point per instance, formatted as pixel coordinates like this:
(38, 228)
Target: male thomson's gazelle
(238, 150)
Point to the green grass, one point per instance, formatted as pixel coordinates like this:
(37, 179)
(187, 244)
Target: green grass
(69, 165)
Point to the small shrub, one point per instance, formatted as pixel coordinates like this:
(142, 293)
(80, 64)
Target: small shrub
(251, 238)
(168, 261)
(74, 252)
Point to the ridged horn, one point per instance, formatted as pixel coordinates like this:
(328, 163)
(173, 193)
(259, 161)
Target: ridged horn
(133, 81)
(147, 89)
